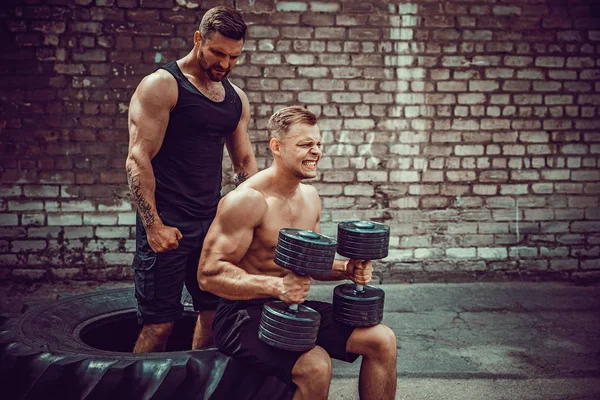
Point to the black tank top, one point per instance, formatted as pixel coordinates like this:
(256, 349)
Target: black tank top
(188, 165)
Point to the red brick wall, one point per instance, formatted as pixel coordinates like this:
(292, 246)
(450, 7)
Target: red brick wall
(470, 126)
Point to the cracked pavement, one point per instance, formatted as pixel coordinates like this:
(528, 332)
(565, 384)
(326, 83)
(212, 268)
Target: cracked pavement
(511, 340)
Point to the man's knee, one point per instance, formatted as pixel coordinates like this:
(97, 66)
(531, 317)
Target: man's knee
(314, 366)
(376, 341)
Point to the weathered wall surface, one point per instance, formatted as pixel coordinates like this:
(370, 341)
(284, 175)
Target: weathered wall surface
(470, 126)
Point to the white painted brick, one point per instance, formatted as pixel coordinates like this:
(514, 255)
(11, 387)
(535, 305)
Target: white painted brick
(405, 149)
(359, 123)
(465, 124)
(338, 176)
(401, 34)
(28, 219)
(408, 8)
(492, 252)
(61, 219)
(318, 6)
(126, 218)
(398, 255)
(117, 258)
(405, 202)
(410, 73)
(294, 6)
(468, 150)
(99, 219)
(15, 205)
(550, 62)
(513, 189)
(463, 253)
(112, 232)
(372, 176)
(9, 219)
(404, 176)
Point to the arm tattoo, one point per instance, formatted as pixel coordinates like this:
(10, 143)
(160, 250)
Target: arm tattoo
(239, 178)
(144, 209)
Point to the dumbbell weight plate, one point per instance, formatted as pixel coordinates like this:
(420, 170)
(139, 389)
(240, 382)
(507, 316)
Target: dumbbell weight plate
(369, 308)
(276, 342)
(345, 246)
(305, 252)
(283, 323)
(363, 240)
(307, 258)
(302, 252)
(347, 291)
(298, 250)
(305, 316)
(284, 337)
(358, 322)
(358, 308)
(368, 229)
(302, 269)
(362, 255)
(287, 332)
(353, 314)
(285, 329)
(308, 239)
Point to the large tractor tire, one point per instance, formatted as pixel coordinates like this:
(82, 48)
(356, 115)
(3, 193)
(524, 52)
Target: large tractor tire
(80, 348)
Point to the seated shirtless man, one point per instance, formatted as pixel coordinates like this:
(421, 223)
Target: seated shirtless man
(237, 264)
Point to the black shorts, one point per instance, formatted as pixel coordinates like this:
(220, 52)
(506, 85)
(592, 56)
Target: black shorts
(235, 331)
(159, 277)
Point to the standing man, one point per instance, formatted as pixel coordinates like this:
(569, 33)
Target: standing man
(237, 263)
(179, 119)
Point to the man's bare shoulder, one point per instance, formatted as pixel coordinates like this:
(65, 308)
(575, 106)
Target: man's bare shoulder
(159, 85)
(244, 202)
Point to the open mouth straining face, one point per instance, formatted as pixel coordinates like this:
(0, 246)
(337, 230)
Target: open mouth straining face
(310, 164)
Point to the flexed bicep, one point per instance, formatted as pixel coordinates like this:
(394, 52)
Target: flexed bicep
(228, 240)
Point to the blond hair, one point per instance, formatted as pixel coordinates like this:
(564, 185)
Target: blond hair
(280, 122)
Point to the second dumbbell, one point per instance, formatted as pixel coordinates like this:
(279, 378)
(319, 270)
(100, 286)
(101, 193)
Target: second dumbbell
(354, 304)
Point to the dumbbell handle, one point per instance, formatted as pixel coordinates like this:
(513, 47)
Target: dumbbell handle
(359, 288)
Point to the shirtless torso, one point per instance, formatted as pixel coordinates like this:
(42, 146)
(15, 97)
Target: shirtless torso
(237, 262)
(300, 211)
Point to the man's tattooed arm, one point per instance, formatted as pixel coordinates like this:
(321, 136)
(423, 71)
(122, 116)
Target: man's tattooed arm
(239, 178)
(143, 206)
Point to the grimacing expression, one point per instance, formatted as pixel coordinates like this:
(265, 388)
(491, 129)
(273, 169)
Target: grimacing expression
(218, 55)
(301, 150)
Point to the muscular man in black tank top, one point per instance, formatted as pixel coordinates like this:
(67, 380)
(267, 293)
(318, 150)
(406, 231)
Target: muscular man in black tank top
(180, 117)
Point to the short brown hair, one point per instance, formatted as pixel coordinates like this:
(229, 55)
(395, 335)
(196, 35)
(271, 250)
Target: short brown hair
(227, 21)
(280, 122)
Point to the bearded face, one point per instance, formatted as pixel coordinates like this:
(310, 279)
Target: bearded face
(218, 55)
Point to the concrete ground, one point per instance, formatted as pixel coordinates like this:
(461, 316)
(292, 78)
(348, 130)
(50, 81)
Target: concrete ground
(464, 341)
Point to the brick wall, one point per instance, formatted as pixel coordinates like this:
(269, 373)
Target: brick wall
(470, 126)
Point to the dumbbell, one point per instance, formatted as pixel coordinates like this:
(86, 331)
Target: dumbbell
(295, 327)
(354, 304)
